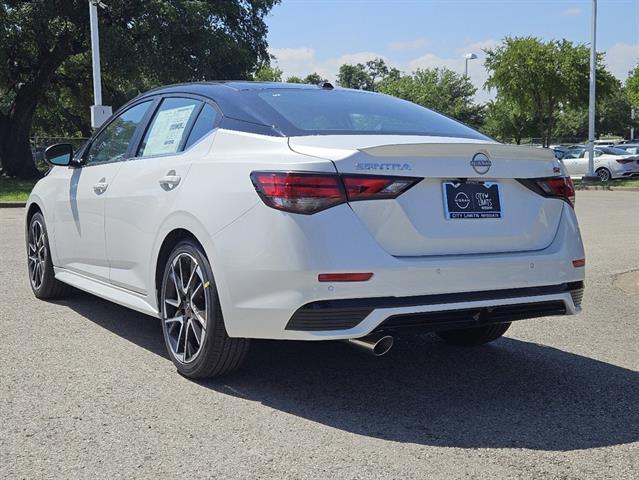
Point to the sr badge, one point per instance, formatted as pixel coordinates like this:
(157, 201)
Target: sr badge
(480, 163)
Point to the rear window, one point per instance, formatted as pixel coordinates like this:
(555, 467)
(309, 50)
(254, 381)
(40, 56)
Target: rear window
(345, 112)
(613, 151)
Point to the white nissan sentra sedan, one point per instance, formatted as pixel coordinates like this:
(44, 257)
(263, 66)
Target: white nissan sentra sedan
(239, 210)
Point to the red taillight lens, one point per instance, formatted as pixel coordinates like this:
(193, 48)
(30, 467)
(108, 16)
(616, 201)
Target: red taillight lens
(368, 187)
(623, 161)
(559, 187)
(312, 192)
(299, 192)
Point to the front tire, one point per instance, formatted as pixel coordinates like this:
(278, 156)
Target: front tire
(192, 320)
(39, 264)
(475, 336)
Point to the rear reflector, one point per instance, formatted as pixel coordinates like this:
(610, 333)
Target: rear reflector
(309, 193)
(579, 263)
(344, 277)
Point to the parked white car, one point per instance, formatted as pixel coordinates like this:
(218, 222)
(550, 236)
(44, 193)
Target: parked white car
(610, 163)
(244, 210)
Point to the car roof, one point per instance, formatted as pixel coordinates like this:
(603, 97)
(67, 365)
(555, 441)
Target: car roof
(230, 96)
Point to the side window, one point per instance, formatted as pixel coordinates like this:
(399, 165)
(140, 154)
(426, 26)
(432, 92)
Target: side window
(113, 142)
(167, 131)
(205, 123)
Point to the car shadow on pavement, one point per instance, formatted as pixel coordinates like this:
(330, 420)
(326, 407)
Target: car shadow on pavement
(510, 394)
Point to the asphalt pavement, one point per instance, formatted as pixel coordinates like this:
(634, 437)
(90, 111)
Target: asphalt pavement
(87, 390)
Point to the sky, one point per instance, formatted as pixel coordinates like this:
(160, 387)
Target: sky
(309, 36)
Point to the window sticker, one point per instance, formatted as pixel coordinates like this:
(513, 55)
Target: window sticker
(167, 130)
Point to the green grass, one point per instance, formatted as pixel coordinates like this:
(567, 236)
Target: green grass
(12, 190)
(634, 182)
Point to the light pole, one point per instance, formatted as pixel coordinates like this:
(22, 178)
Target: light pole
(468, 56)
(99, 113)
(591, 102)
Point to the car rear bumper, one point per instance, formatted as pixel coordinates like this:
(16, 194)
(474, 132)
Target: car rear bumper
(273, 292)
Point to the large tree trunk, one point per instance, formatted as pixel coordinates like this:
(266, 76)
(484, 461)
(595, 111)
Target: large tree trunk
(15, 127)
(15, 150)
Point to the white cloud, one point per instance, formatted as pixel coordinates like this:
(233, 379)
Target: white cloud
(621, 58)
(408, 44)
(571, 12)
(302, 61)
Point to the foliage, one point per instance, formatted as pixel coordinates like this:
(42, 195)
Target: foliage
(294, 79)
(313, 79)
(268, 73)
(632, 85)
(366, 76)
(612, 115)
(541, 77)
(440, 89)
(44, 45)
(505, 121)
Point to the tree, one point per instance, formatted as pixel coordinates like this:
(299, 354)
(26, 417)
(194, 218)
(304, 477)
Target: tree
(366, 76)
(353, 76)
(267, 73)
(44, 45)
(313, 79)
(440, 89)
(612, 115)
(506, 122)
(294, 79)
(542, 77)
(632, 85)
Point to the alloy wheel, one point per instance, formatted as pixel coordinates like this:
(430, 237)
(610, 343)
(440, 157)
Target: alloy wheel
(185, 307)
(37, 246)
(603, 174)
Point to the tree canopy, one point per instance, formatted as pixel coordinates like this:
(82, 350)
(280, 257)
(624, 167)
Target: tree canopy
(440, 89)
(45, 51)
(542, 77)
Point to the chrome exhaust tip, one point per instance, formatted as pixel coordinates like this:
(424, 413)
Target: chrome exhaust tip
(376, 344)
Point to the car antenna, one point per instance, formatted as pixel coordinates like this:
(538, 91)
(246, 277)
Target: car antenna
(326, 85)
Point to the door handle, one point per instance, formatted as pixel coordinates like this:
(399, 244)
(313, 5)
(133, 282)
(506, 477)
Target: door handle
(170, 180)
(101, 186)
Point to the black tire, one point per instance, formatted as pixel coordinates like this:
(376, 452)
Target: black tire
(47, 286)
(475, 336)
(604, 174)
(218, 353)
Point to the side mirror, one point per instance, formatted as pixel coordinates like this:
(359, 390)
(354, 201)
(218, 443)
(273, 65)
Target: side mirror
(60, 154)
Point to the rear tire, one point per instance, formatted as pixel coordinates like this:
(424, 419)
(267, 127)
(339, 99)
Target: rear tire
(475, 336)
(39, 264)
(192, 320)
(604, 174)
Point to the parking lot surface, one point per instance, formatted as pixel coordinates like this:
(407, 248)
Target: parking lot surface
(87, 390)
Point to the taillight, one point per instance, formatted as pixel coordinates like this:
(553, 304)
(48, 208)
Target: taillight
(368, 187)
(557, 187)
(309, 193)
(623, 161)
(299, 192)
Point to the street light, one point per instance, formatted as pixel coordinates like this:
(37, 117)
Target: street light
(591, 102)
(99, 113)
(468, 56)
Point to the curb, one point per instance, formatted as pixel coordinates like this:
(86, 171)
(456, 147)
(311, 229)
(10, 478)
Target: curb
(13, 204)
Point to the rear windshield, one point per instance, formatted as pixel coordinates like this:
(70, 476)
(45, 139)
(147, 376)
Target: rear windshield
(613, 151)
(346, 112)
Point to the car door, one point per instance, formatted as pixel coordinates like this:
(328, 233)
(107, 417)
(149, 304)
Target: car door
(80, 198)
(575, 162)
(147, 185)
